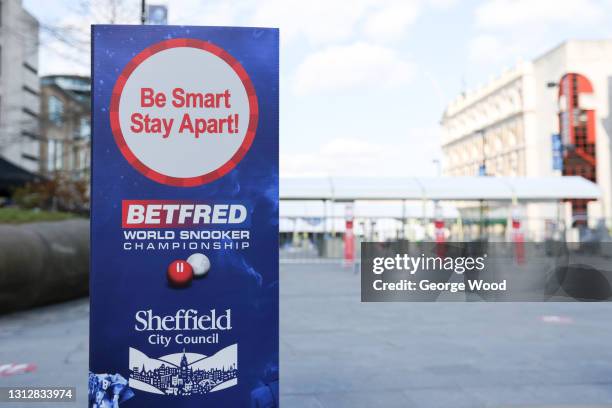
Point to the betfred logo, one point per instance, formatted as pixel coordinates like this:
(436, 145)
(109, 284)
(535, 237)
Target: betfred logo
(174, 214)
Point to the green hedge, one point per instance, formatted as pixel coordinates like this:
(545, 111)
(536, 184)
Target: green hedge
(19, 216)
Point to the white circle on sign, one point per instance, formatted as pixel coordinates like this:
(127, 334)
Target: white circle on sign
(161, 141)
(199, 263)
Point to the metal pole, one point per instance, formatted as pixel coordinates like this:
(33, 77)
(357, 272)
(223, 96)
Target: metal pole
(481, 226)
(484, 153)
(403, 220)
(436, 203)
(143, 13)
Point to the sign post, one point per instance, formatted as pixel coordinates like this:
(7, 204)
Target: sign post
(184, 266)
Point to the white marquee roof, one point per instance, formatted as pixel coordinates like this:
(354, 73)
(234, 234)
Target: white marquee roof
(364, 209)
(441, 188)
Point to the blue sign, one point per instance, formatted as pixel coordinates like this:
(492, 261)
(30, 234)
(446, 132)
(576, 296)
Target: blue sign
(184, 222)
(557, 152)
(482, 170)
(157, 14)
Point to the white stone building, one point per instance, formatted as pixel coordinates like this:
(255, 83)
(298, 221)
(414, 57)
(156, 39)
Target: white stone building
(19, 86)
(506, 127)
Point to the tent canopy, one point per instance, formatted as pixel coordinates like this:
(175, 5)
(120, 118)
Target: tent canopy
(441, 188)
(12, 175)
(365, 209)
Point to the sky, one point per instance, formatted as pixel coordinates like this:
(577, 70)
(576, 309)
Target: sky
(364, 83)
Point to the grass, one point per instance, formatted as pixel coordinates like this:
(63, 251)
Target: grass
(20, 216)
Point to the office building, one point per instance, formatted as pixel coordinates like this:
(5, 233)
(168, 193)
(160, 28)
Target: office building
(66, 130)
(549, 116)
(19, 86)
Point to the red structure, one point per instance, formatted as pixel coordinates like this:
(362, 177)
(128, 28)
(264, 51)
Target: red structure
(349, 236)
(577, 127)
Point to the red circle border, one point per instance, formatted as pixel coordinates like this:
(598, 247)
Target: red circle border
(184, 181)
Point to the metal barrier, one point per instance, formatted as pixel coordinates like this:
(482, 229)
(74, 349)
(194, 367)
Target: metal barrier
(322, 239)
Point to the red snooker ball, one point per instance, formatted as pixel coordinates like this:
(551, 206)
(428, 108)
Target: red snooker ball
(180, 273)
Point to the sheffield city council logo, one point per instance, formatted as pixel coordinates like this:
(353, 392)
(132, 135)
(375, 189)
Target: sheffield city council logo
(184, 373)
(184, 112)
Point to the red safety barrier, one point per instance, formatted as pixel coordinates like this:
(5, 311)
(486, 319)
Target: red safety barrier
(349, 243)
(518, 238)
(7, 370)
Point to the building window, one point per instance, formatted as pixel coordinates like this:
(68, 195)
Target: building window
(83, 162)
(84, 128)
(55, 109)
(51, 155)
(59, 157)
(75, 159)
(55, 155)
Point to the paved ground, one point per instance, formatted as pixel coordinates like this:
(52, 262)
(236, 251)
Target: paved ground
(54, 338)
(337, 352)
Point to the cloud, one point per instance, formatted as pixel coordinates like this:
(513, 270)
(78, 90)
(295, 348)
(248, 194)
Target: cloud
(198, 12)
(309, 24)
(391, 20)
(341, 156)
(317, 21)
(506, 29)
(344, 67)
(358, 157)
(511, 13)
(489, 49)
(324, 21)
(443, 4)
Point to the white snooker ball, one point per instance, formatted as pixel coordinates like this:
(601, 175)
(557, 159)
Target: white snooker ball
(200, 264)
